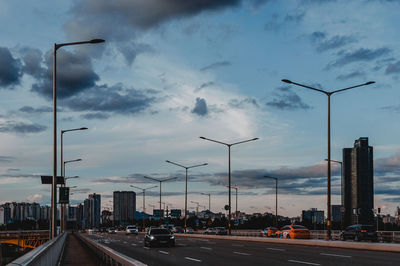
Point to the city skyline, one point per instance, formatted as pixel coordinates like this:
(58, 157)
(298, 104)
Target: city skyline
(165, 78)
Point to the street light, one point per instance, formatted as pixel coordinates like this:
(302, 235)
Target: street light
(186, 183)
(276, 198)
(328, 93)
(236, 188)
(229, 145)
(160, 180)
(63, 206)
(209, 200)
(342, 181)
(54, 183)
(197, 207)
(144, 198)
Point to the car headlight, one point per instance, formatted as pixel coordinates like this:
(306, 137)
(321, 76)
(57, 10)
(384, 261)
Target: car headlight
(172, 237)
(151, 237)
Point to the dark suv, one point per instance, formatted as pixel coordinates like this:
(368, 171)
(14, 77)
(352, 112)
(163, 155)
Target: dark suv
(159, 236)
(359, 232)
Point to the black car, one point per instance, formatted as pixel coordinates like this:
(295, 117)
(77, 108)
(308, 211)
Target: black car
(159, 236)
(220, 231)
(359, 232)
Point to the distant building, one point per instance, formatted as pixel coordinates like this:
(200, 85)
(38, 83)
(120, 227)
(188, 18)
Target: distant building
(94, 210)
(313, 215)
(336, 214)
(124, 203)
(387, 219)
(358, 183)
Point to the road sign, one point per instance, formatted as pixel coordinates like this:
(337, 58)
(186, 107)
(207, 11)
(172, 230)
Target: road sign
(342, 209)
(158, 213)
(236, 222)
(226, 207)
(48, 180)
(63, 195)
(176, 213)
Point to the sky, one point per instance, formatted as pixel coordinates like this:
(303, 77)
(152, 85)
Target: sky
(171, 71)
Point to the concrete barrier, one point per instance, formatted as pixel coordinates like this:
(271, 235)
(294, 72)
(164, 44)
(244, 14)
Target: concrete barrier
(108, 255)
(305, 242)
(47, 254)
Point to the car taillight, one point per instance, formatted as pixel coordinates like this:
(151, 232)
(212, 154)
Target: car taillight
(376, 231)
(363, 231)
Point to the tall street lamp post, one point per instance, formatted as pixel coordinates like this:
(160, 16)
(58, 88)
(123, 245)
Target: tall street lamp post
(342, 192)
(144, 203)
(54, 183)
(197, 206)
(236, 210)
(161, 181)
(209, 200)
(276, 198)
(186, 184)
(63, 206)
(329, 94)
(229, 145)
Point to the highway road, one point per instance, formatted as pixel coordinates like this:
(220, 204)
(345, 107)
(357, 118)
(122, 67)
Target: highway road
(195, 251)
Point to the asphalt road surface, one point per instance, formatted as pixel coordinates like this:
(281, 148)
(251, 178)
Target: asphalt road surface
(195, 251)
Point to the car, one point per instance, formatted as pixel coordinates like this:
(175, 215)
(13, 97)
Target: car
(178, 230)
(210, 231)
(270, 232)
(293, 231)
(111, 230)
(359, 232)
(189, 230)
(159, 236)
(131, 229)
(220, 231)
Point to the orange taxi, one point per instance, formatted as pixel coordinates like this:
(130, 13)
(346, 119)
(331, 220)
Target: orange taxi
(293, 231)
(269, 232)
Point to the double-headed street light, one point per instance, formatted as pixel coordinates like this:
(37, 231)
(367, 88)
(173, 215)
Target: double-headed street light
(54, 183)
(197, 206)
(144, 198)
(229, 145)
(328, 93)
(63, 206)
(186, 183)
(209, 200)
(161, 181)
(276, 198)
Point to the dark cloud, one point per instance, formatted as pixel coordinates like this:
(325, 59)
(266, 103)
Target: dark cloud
(21, 127)
(243, 103)
(216, 65)
(259, 3)
(277, 24)
(134, 49)
(6, 159)
(10, 69)
(200, 107)
(13, 170)
(389, 164)
(286, 99)
(32, 59)
(355, 74)
(204, 85)
(359, 55)
(393, 68)
(80, 190)
(32, 110)
(322, 43)
(120, 21)
(114, 99)
(393, 108)
(98, 115)
(74, 75)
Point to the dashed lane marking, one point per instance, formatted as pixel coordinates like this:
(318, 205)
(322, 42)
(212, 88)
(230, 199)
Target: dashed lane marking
(146, 247)
(163, 252)
(192, 259)
(276, 249)
(241, 253)
(304, 262)
(335, 255)
(206, 248)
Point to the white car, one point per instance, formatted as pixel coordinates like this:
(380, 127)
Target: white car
(131, 229)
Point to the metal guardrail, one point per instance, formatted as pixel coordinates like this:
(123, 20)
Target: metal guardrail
(108, 255)
(46, 254)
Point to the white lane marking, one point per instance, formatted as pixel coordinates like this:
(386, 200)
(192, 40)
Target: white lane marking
(304, 262)
(163, 252)
(206, 248)
(241, 253)
(192, 259)
(146, 247)
(133, 244)
(335, 255)
(276, 249)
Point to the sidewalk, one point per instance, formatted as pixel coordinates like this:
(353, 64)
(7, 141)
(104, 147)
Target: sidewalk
(76, 253)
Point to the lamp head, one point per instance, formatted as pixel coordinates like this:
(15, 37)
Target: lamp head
(83, 128)
(369, 83)
(287, 81)
(96, 41)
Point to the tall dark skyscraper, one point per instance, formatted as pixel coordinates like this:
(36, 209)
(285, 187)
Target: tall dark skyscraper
(124, 207)
(94, 210)
(358, 183)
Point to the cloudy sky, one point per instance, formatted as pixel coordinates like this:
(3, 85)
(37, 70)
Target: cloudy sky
(173, 70)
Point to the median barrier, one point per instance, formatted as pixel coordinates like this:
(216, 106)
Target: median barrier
(47, 254)
(304, 242)
(108, 255)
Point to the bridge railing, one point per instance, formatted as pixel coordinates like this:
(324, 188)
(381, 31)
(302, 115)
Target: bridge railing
(46, 254)
(108, 255)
